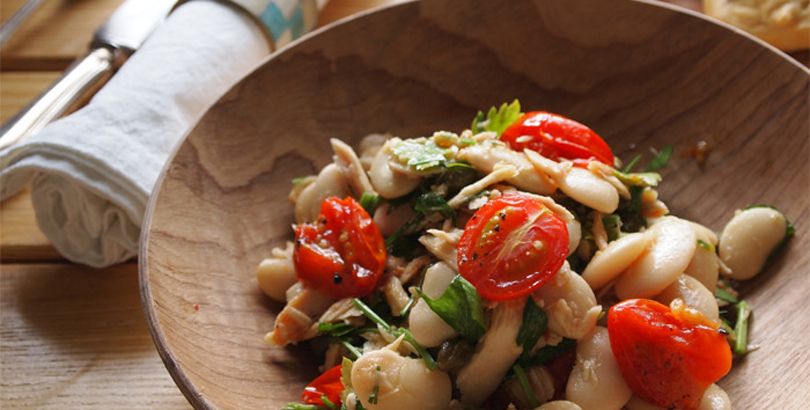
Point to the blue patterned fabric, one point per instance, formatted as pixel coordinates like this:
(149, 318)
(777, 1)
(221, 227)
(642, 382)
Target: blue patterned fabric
(286, 20)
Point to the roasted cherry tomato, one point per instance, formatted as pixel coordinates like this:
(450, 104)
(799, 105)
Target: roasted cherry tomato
(342, 253)
(668, 356)
(556, 137)
(512, 246)
(328, 385)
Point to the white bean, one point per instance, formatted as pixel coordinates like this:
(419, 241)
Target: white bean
(671, 247)
(596, 382)
(390, 183)
(275, 276)
(705, 265)
(749, 238)
(610, 262)
(329, 182)
(384, 380)
(427, 327)
(693, 293)
(570, 304)
(277, 273)
(388, 220)
(715, 398)
(559, 405)
(590, 190)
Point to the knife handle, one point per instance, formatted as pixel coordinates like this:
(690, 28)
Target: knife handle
(86, 74)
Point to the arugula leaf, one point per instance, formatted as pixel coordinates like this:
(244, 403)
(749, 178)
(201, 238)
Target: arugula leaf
(547, 353)
(497, 119)
(433, 203)
(460, 306)
(533, 326)
(420, 153)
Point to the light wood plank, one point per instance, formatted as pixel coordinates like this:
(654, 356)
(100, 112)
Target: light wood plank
(20, 237)
(55, 34)
(75, 337)
(18, 89)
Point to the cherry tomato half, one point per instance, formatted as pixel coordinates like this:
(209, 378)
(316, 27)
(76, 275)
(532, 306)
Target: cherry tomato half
(666, 358)
(511, 247)
(556, 137)
(327, 384)
(342, 253)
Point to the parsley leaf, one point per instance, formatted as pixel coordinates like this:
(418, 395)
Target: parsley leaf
(460, 306)
(497, 120)
(420, 153)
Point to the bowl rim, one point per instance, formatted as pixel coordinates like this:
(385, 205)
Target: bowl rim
(162, 344)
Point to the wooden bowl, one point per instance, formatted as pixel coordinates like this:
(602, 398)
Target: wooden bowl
(642, 75)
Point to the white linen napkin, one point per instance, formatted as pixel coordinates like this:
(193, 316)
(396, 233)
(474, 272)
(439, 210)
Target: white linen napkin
(92, 172)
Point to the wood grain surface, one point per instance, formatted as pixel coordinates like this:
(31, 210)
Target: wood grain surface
(642, 76)
(73, 337)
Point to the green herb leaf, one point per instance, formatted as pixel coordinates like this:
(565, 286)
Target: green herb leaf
(613, 226)
(660, 160)
(497, 120)
(740, 346)
(420, 153)
(706, 246)
(299, 180)
(724, 295)
(643, 179)
(397, 332)
(631, 164)
(433, 203)
(533, 326)
(460, 306)
(302, 406)
(548, 353)
(370, 202)
(525, 385)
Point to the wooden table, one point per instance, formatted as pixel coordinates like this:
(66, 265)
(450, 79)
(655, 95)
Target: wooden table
(75, 337)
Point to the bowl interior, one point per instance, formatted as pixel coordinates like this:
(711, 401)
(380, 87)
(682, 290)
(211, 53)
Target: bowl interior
(641, 75)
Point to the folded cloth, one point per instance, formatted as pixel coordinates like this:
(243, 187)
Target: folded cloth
(92, 172)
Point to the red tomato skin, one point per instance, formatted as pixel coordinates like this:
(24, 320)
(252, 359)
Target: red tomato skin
(327, 384)
(557, 137)
(353, 259)
(497, 252)
(664, 360)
